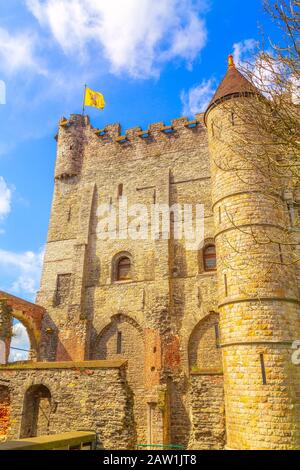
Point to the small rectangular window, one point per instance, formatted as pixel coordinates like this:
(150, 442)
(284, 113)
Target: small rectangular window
(263, 369)
(120, 190)
(119, 342)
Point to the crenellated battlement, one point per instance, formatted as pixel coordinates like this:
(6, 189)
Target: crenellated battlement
(113, 132)
(158, 129)
(76, 134)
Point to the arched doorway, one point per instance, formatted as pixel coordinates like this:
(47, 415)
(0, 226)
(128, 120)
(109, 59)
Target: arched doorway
(206, 390)
(36, 411)
(4, 411)
(123, 338)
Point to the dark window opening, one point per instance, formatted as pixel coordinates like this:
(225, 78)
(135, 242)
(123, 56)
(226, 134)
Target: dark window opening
(263, 369)
(154, 196)
(217, 335)
(120, 190)
(119, 342)
(232, 118)
(280, 253)
(225, 285)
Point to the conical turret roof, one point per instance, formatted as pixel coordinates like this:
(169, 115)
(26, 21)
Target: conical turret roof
(234, 83)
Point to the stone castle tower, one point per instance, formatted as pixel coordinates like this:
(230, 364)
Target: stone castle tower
(143, 340)
(258, 297)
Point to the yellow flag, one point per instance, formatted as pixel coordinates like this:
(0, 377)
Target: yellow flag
(94, 98)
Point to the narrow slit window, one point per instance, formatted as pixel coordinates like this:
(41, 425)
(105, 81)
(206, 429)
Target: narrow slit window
(280, 253)
(213, 129)
(232, 118)
(225, 285)
(119, 342)
(220, 215)
(263, 369)
(291, 212)
(69, 214)
(154, 196)
(199, 297)
(144, 299)
(217, 335)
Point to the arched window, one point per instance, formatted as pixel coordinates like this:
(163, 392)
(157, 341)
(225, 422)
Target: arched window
(123, 269)
(209, 258)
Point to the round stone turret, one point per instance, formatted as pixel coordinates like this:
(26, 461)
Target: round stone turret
(257, 287)
(70, 146)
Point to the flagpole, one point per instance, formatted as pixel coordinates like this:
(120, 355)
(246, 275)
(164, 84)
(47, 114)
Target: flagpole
(83, 106)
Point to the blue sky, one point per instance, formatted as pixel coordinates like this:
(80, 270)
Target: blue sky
(158, 59)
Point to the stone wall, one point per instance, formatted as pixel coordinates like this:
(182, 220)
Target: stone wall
(83, 396)
(207, 411)
(4, 411)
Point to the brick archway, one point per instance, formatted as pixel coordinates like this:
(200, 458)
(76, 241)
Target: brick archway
(31, 315)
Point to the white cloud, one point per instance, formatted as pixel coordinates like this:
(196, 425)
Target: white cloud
(20, 340)
(197, 98)
(25, 268)
(135, 36)
(5, 198)
(18, 52)
(244, 51)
